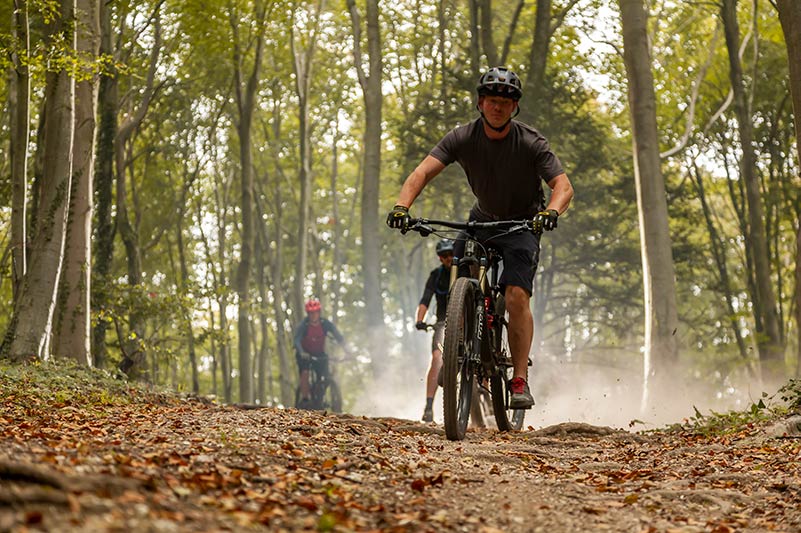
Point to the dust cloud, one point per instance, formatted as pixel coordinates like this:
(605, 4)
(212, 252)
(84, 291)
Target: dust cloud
(564, 391)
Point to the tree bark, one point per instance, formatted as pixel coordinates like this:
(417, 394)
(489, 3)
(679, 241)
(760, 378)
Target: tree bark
(246, 94)
(790, 17)
(264, 369)
(189, 331)
(20, 101)
(771, 353)
(29, 332)
(336, 230)
(371, 89)
(659, 293)
(108, 106)
(718, 252)
(73, 319)
(537, 62)
(303, 66)
(487, 39)
(134, 362)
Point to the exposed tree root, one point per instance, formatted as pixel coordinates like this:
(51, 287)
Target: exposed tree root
(29, 473)
(10, 496)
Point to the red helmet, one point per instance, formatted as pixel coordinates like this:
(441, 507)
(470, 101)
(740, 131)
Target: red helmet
(313, 305)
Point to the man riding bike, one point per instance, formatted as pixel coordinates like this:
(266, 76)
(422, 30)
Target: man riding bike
(309, 343)
(437, 284)
(505, 162)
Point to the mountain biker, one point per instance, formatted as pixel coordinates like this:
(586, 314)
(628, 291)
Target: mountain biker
(437, 284)
(309, 343)
(505, 162)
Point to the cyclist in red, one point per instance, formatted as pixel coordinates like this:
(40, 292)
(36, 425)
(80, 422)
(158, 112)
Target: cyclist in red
(505, 162)
(309, 343)
(437, 285)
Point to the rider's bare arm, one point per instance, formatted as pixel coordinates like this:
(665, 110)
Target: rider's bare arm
(419, 178)
(561, 193)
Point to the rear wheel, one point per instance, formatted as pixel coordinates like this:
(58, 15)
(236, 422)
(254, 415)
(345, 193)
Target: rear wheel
(457, 386)
(506, 419)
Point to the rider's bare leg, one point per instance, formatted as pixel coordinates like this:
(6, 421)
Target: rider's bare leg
(521, 328)
(304, 384)
(433, 372)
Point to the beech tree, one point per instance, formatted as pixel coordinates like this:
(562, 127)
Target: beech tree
(659, 298)
(73, 320)
(29, 333)
(768, 328)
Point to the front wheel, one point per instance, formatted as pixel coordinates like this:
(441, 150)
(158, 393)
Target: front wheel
(458, 377)
(506, 419)
(333, 397)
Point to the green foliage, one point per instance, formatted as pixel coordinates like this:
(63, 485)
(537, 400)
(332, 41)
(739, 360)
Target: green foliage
(182, 171)
(732, 422)
(64, 383)
(791, 393)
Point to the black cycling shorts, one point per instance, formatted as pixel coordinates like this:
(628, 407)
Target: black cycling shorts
(520, 252)
(317, 361)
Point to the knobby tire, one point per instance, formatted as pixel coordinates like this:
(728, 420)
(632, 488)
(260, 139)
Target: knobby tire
(457, 376)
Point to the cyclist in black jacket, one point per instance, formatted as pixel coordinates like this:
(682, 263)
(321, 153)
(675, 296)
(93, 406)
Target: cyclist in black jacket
(437, 285)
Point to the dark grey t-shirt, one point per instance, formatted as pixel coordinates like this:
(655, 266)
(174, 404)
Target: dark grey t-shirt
(506, 175)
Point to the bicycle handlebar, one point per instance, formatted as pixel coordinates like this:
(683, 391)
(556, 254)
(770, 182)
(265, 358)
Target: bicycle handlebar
(423, 225)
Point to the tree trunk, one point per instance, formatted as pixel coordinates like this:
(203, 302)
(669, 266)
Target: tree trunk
(487, 39)
(659, 294)
(108, 105)
(190, 334)
(719, 253)
(134, 362)
(246, 94)
(20, 101)
(371, 249)
(537, 62)
(771, 353)
(29, 332)
(475, 43)
(262, 367)
(73, 318)
(286, 380)
(337, 229)
(790, 17)
(302, 64)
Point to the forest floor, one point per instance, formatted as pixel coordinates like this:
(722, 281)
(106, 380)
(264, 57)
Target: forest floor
(78, 453)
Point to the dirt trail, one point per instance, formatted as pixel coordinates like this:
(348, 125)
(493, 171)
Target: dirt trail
(187, 465)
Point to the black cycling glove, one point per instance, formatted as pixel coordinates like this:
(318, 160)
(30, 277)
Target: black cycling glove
(545, 220)
(421, 325)
(398, 218)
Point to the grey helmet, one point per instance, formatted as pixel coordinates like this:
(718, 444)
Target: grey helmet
(444, 246)
(500, 81)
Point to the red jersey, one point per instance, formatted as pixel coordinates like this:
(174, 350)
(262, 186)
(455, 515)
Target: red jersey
(314, 341)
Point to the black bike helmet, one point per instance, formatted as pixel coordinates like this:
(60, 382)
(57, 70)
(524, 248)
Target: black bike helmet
(444, 246)
(500, 81)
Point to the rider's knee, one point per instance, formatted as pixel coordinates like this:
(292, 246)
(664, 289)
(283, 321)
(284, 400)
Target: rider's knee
(517, 300)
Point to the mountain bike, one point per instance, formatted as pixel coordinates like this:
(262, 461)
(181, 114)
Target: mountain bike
(325, 394)
(476, 348)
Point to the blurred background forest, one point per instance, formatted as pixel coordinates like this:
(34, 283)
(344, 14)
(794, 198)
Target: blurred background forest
(229, 159)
